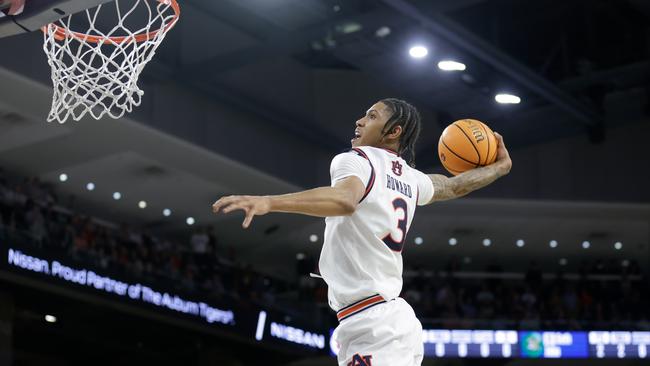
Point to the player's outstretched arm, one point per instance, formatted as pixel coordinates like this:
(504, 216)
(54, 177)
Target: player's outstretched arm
(339, 200)
(446, 188)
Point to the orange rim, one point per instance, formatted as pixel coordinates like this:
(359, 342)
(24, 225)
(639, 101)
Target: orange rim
(61, 33)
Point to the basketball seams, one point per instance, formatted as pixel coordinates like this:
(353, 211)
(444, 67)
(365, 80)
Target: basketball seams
(452, 171)
(456, 154)
(478, 155)
(487, 137)
(496, 147)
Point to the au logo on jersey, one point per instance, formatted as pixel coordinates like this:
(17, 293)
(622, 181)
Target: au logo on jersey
(358, 360)
(397, 168)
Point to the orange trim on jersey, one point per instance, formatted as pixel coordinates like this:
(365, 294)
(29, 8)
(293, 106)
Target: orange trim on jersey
(359, 306)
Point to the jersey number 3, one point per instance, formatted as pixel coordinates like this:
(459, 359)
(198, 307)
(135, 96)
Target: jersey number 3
(393, 244)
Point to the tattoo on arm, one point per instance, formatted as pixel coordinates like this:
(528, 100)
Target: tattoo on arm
(442, 190)
(448, 188)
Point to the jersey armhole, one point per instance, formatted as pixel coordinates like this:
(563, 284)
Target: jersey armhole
(371, 180)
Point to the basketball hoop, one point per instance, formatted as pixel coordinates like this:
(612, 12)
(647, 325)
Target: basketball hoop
(96, 71)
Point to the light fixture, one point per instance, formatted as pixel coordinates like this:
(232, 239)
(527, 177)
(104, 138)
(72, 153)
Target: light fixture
(418, 52)
(167, 212)
(520, 243)
(63, 177)
(300, 256)
(142, 204)
(453, 241)
(507, 99)
(117, 195)
(50, 318)
(418, 240)
(586, 244)
(487, 242)
(349, 27)
(448, 65)
(618, 245)
(552, 243)
(382, 32)
(90, 186)
(190, 221)
(313, 238)
(563, 261)
(625, 263)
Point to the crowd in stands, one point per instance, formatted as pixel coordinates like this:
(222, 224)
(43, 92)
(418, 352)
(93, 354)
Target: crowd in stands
(30, 212)
(596, 297)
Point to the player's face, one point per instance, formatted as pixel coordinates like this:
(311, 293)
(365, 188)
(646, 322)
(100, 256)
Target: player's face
(369, 131)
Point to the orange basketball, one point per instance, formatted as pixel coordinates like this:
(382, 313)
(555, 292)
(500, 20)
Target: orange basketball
(467, 144)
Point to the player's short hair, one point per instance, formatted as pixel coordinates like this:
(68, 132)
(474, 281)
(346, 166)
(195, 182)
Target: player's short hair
(407, 116)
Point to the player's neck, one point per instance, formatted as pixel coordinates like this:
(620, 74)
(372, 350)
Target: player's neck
(394, 148)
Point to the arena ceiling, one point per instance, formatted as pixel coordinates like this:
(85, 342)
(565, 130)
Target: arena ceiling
(289, 79)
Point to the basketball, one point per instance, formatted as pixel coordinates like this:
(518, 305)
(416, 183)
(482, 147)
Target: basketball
(467, 144)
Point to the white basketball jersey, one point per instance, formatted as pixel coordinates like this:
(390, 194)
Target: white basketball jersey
(362, 253)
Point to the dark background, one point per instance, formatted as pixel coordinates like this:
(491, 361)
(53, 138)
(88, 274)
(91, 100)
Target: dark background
(257, 96)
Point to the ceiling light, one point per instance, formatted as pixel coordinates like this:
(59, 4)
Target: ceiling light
(167, 212)
(63, 177)
(625, 263)
(313, 238)
(618, 245)
(520, 243)
(117, 195)
(507, 99)
(563, 261)
(190, 221)
(453, 241)
(300, 256)
(90, 186)
(349, 27)
(418, 240)
(418, 52)
(142, 204)
(449, 65)
(552, 243)
(487, 242)
(383, 32)
(50, 318)
(586, 244)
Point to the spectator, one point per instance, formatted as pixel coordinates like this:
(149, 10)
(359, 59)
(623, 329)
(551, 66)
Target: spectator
(200, 242)
(26, 208)
(485, 301)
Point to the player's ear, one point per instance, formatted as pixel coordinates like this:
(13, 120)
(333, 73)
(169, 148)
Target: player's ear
(395, 133)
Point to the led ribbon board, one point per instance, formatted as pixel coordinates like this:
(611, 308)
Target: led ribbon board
(134, 291)
(263, 326)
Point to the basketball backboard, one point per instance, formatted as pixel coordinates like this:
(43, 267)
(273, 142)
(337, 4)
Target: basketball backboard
(23, 16)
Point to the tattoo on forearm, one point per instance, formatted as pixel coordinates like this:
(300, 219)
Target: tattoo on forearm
(448, 188)
(474, 179)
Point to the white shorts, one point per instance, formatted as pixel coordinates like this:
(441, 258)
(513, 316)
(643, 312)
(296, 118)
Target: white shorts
(386, 334)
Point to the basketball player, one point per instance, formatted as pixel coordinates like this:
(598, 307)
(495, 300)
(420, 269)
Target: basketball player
(369, 208)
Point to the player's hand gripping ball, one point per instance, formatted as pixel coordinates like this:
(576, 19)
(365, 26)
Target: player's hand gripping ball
(467, 144)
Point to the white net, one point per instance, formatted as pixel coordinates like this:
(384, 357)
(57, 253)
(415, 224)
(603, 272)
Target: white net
(96, 70)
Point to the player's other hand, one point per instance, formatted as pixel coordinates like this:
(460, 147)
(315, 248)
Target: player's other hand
(16, 7)
(251, 205)
(503, 157)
